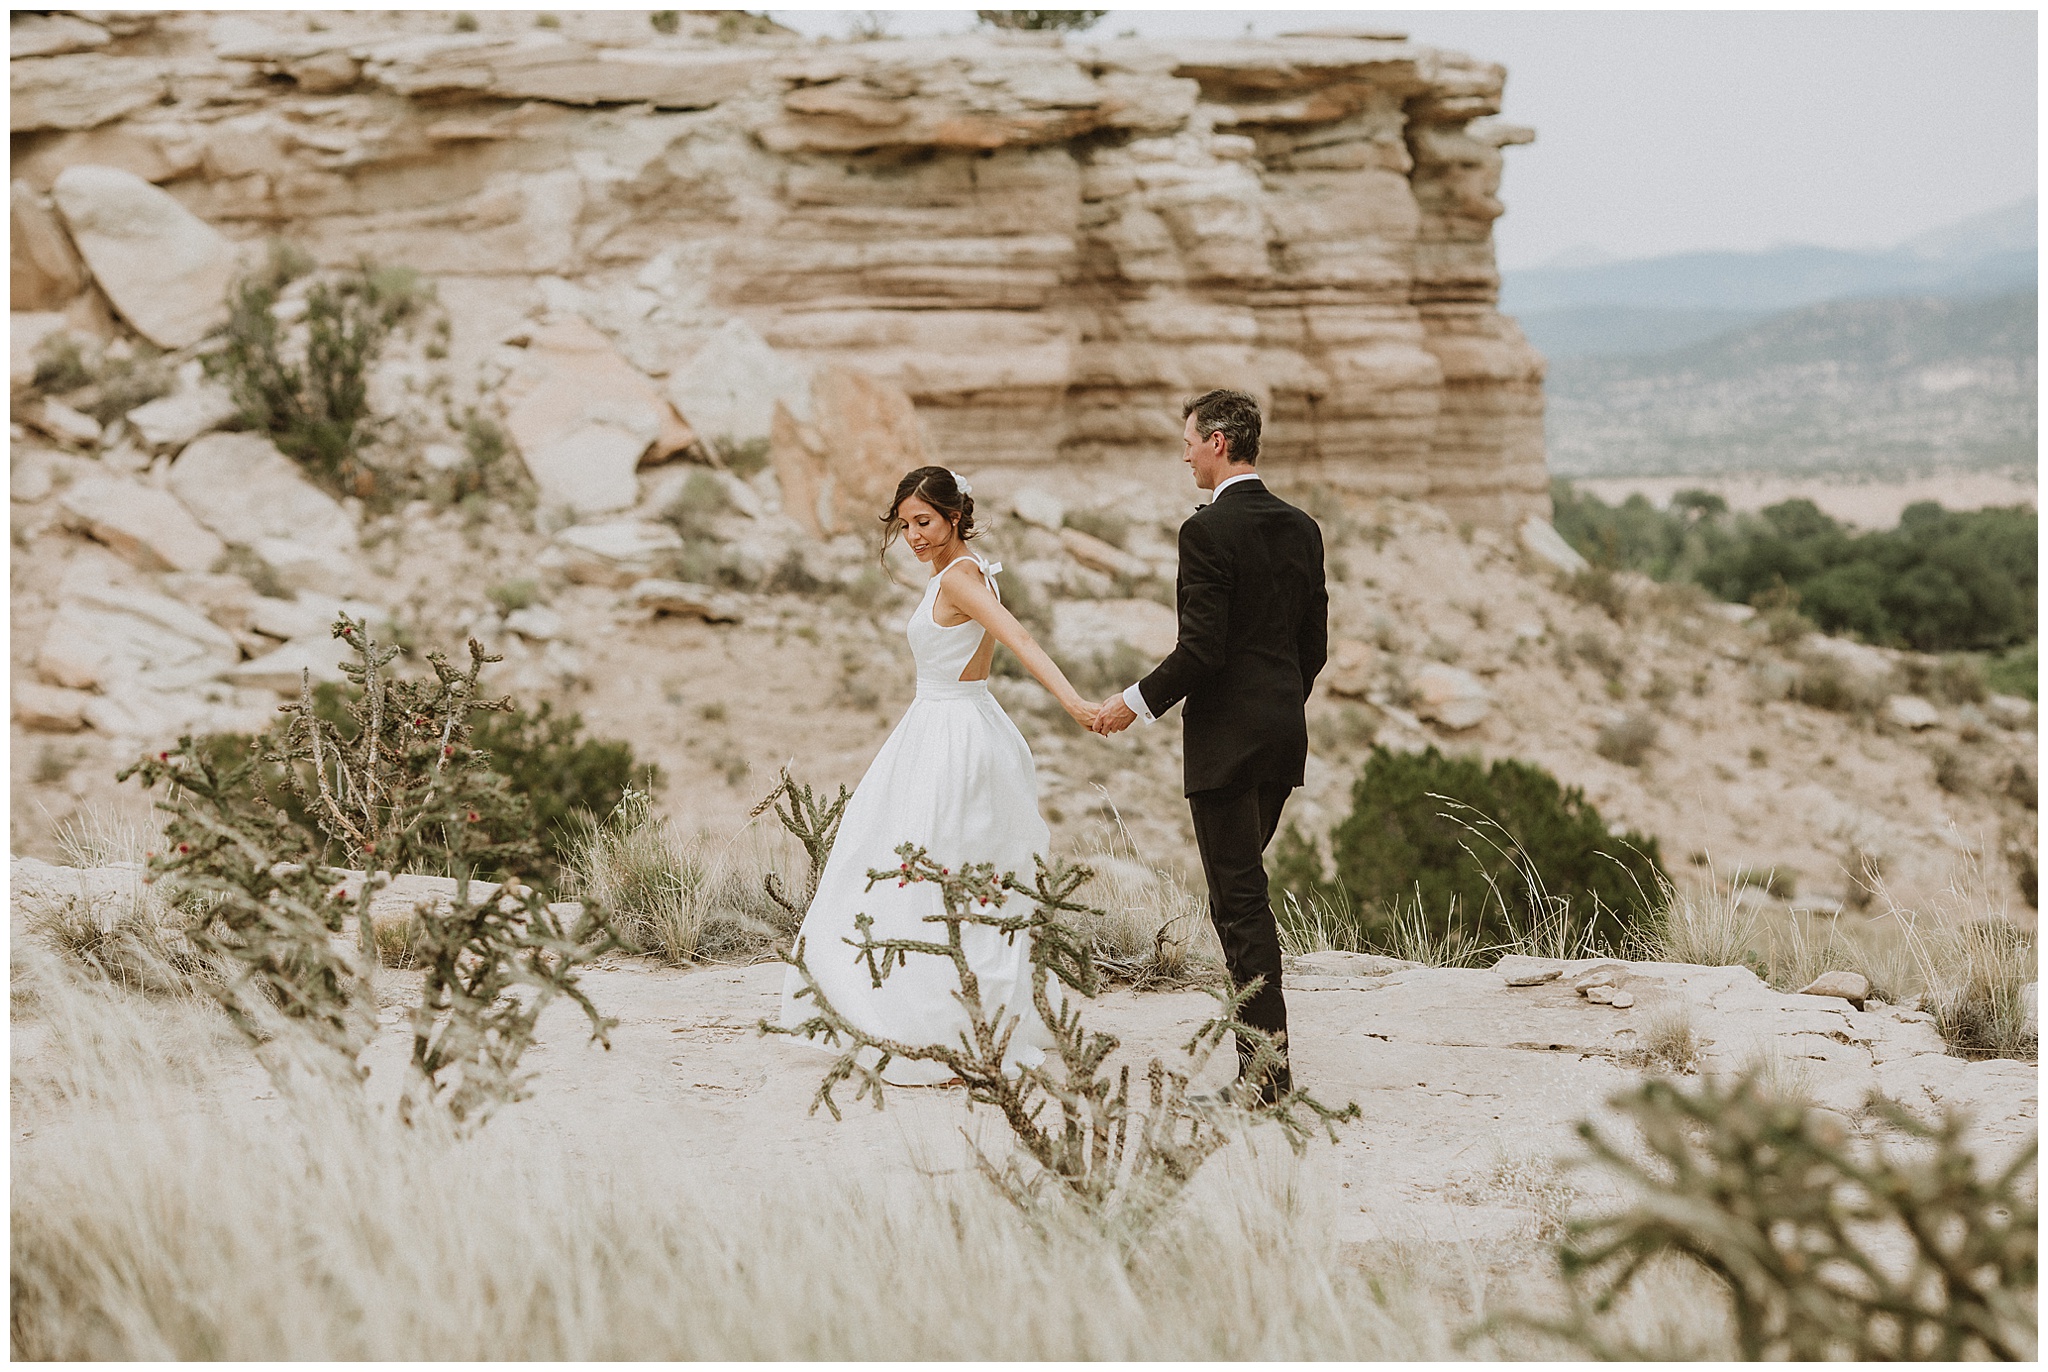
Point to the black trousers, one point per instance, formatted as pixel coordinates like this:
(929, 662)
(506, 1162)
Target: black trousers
(1232, 829)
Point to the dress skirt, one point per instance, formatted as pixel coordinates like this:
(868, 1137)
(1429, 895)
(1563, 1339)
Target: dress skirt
(956, 777)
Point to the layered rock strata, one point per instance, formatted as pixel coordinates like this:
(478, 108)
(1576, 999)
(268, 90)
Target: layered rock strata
(1045, 244)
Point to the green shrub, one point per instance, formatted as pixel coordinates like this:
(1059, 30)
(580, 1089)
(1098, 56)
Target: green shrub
(547, 759)
(553, 775)
(487, 476)
(315, 407)
(1940, 581)
(1627, 740)
(1487, 849)
(1040, 20)
(105, 386)
(61, 365)
(2013, 672)
(1111, 526)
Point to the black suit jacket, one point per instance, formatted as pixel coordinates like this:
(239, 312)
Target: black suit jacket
(1254, 631)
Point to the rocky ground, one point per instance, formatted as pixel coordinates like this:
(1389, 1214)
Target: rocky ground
(1469, 1083)
(1674, 715)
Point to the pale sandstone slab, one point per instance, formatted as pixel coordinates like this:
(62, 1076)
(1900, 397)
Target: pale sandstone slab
(147, 526)
(49, 35)
(1101, 556)
(1911, 712)
(241, 487)
(319, 655)
(115, 638)
(222, 597)
(172, 421)
(45, 272)
(80, 90)
(551, 67)
(166, 270)
(50, 709)
(584, 418)
(610, 554)
(731, 384)
(151, 718)
(1451, 696)
(63, 423)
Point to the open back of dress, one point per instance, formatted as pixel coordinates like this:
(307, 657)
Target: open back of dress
(956, 777)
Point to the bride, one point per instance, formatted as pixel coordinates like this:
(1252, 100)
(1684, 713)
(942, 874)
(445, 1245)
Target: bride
(956, 777)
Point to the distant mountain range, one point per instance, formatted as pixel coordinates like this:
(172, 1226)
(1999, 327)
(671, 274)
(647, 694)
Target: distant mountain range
(1794, 361)
(1872, 387)
(1655, 303)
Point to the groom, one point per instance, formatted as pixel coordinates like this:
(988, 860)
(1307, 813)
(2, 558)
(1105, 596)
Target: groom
(1253, 634)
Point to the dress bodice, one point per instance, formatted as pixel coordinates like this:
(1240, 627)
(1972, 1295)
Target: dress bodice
(942, 652)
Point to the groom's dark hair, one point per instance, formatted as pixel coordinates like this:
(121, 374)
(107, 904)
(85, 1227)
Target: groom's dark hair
(1233, 414)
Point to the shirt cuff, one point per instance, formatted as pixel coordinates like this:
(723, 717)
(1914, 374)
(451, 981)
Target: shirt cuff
(1135, 698)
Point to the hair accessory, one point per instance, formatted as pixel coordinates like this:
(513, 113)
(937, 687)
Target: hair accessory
(960, 482)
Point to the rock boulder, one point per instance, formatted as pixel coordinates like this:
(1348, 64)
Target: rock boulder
(730, 386)
(241, 487)
(1543, 541)
(320, 654)
(584, 419)
(1853, 987)
(119, 638)
(1911, 712)
(613, 554)
(1451, 696)
(1099, 555)
(49, 709)
(166, 270)
(172, 421)
(44, 270)
(683, 598)
(839, 471)
(147, 526)
(1350, 670)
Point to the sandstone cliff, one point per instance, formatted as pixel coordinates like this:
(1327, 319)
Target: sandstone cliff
(1045, 243)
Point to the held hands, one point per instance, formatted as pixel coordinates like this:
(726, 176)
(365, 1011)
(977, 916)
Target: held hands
(1082, 712)
(1113, 716)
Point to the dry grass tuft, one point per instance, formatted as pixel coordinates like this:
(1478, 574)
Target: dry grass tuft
(1154, 931)
(680, 898)
(1670, 1043)
(1968, 962)
(1707, 927)
(155, 1214)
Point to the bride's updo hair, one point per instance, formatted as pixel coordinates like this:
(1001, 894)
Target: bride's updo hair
(936, 487)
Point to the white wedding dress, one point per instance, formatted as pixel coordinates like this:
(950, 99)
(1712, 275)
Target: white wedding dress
(956, 777)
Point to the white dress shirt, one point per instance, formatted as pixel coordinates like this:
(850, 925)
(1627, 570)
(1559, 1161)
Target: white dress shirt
(1135, 698)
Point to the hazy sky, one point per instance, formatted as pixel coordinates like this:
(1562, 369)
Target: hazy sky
(1668, 131)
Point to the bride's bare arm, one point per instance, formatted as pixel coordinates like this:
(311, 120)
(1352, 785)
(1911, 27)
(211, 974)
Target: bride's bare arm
(968, 593)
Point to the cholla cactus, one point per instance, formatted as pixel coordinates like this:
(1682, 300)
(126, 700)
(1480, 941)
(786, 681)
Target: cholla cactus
(406, 793)
(267, 909)
(468, 1030)
(1120, 1160)
(1826, 1250)
(815, 825)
